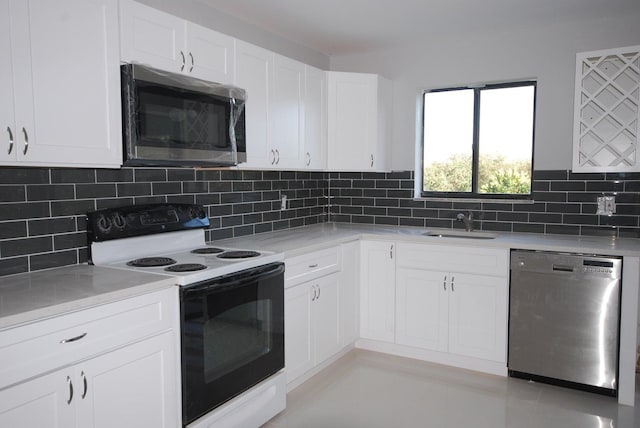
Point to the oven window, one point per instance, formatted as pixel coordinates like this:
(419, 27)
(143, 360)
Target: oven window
(245, 332)
(173, 117)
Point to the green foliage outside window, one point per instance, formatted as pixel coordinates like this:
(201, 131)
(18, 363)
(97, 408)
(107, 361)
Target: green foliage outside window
(496, 175)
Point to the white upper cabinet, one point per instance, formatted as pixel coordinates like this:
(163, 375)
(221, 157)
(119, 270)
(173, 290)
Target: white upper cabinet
(163, 41)
(65, 108)
(274, 110)
(359, 126)
(286, 112)
(254, 66)
(606, 111)
(315, 119)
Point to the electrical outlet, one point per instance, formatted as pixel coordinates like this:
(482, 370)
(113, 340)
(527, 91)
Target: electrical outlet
(606, 205)
(283, 204)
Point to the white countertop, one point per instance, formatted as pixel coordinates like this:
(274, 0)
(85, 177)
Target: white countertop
(302, 240)
(38, 295)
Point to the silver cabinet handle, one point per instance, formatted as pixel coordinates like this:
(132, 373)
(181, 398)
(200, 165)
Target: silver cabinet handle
(192, 62)
(84, 381)
(273, 153)
(391, 252)
(70, 384)
(313, 287)
(10, 140)
(73, 339)
(184, 60)
(278, 154)
(308, 159)
(319, 291)
(444, 283)
(26, 141)
(371, 161)
(315, 265)
(453, 278)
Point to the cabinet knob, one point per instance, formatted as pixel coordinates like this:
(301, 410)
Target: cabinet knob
(10, 140)
(26, 141)
(73, 339)
(70, 385)
(84, 381)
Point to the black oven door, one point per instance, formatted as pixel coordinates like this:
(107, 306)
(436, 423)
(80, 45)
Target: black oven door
(232, 331)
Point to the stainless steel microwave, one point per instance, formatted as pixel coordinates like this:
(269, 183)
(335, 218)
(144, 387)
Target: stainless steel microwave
(175, 120)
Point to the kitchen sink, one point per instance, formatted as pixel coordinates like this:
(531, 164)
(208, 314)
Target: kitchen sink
(460, 234)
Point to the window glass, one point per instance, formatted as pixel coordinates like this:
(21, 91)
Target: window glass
(478, 142)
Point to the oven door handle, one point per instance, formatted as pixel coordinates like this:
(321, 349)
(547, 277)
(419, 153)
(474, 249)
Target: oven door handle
(233, 280)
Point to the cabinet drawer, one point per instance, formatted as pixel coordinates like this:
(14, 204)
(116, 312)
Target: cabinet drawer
(312, 265)
(487, 261)
(46, 345)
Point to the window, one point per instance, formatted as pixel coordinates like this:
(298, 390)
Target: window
(478, 141)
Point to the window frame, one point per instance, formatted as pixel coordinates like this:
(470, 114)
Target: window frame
(475, 160)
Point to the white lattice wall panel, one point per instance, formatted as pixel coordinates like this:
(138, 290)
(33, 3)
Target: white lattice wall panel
(607, 111)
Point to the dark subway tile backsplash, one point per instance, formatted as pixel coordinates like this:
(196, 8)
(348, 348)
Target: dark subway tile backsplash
(42, 210)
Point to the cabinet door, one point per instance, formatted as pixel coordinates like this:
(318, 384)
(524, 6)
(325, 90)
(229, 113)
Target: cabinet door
(53, 67)
(135, 386)
(210, 55)
(478, 316)
(315, 119)
(606, 130)
(44, 402)
(299, 346)
(422, 309)
(326, 318)
(349, 291)
(8, 131)
(351, 121)
(377, 294)
(253, 73)
(286, 113)
(152, 37)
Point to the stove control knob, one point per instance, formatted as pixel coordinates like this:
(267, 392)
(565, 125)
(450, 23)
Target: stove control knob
(119, 221)
(104, 224)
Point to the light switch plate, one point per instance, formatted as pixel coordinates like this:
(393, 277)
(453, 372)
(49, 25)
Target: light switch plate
(606, 205)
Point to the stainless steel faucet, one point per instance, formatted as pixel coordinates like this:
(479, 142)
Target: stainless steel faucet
(467, 219)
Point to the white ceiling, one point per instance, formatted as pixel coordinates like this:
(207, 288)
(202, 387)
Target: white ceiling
(335, 27)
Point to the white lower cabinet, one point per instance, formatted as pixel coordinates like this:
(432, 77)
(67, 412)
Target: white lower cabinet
(134, 384)
(349, 292)
(377, 290)
(312, 324)
(447, 301)
(452, 312)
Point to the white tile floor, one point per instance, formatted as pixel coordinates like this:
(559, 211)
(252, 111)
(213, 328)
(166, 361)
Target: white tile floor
(367, 390)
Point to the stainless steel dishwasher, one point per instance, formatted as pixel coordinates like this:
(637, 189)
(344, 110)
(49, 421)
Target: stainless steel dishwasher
(564, 316)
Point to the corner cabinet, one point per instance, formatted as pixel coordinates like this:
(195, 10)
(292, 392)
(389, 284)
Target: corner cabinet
(112, 365)
(359, 122)
(160, 40)
(377, 290)
(65, 108)
(606, 130)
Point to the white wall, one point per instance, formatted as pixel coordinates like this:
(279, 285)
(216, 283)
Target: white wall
(547, 54)
(194, 11)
